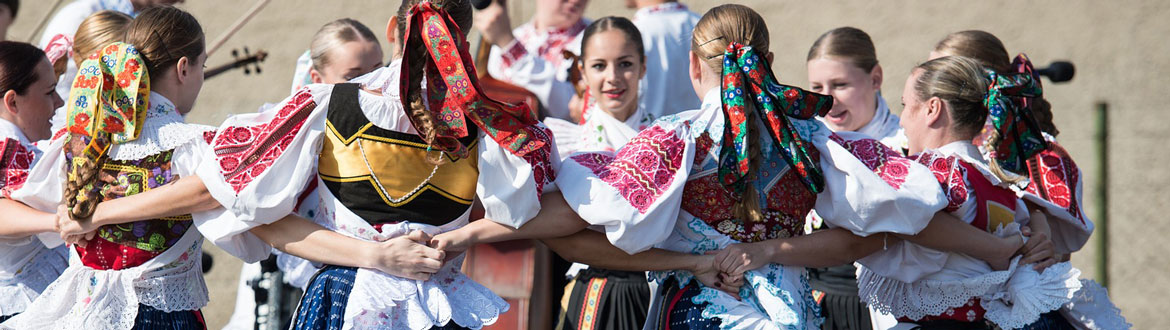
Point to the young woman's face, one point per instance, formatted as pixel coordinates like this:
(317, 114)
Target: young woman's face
(612, 73)
(913, 118)
(190, 90)
(853, 91)
(348, 61)
(36, 106)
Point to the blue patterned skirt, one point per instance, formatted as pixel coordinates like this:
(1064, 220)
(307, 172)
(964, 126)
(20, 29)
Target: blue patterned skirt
(679, 311)
(323, 306)
(150, 318)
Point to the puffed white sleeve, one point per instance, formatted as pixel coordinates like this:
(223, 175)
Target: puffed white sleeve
(509, 185)
(257, 166)
(44, 186)
(870, 188)
(1056, 187)
(636, 193)
(519, 66)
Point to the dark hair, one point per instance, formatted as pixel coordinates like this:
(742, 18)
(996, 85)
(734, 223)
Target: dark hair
(163, 35)
(985, 48)
(460, 11)
(848, 43)
(13, 6)
(18, 63)
(619, 23)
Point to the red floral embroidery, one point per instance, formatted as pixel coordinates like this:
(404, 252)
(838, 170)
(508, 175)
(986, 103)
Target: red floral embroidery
(245, 152)
(787, 203)
(642, 169)
(15, 161)
(1054, 176)
(885, 162)
(951, 175)
(113, 124)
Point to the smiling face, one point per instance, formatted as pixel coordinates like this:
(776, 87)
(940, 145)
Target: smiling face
(612, 73)
(347, 61)
(36, 106)
(853, 91)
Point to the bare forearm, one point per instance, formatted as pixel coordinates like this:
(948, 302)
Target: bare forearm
(19, 220)
(556, 219)
(592, 248)
(185, 196)
(303, 238)
(823, 248)
(947, 233)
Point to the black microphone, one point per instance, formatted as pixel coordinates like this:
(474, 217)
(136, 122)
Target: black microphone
(1058, 71)
(481, 4)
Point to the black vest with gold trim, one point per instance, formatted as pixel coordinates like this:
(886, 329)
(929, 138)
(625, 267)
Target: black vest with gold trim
(398, 160)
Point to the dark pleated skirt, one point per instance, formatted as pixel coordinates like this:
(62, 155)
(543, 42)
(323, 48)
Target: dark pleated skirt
(840, 305)
(150, 318)
(606, 299)
(323, 306)
(679, 311)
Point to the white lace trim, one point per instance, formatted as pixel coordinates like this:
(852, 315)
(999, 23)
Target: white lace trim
(157, 136)
(381, 301)
(1091, 309)
(1029, 293)
(20, 290)
(924, 297)
(86, 298)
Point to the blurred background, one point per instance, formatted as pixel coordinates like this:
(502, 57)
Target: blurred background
(1120, 49)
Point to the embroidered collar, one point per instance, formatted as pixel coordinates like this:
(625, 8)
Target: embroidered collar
(660, 8)
(11, 131)
(164, 129)
(969, 153)
(567, 32)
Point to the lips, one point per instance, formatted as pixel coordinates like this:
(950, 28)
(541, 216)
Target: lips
(613, 94)
(837, 117)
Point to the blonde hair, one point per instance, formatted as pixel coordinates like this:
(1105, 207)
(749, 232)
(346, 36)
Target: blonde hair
(978, 45)
(98, 30)
(335, 34)
(960, 82)
(718, 28)
(847, 43)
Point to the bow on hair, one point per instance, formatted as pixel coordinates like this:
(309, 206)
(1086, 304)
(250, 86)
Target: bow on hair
(454, 95)
(1010, 114)
(774, 103)
(109, 98)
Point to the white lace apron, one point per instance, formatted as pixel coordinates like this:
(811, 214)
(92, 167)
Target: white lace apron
(382, 301)
(87, 298)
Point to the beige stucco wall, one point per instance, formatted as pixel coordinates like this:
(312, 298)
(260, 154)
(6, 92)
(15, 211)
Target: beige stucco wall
(1120, 49)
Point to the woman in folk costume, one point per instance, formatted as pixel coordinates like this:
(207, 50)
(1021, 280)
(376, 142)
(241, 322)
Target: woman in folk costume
(842, 63)
(28, 94)
(1054, 181)
(692, 183)
(612, 76)
(391, 165)
(947, 101)
(127, 135)
(612, 65)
